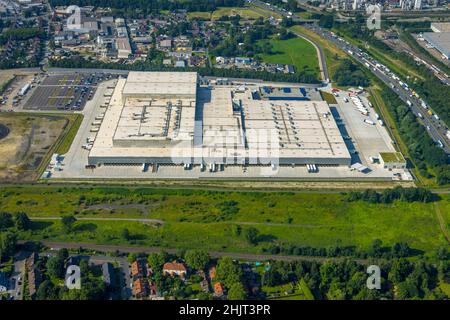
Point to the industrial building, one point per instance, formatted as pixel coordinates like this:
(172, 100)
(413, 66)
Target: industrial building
(392, 160)
(167, 118)
(440, 26)
(440, 41)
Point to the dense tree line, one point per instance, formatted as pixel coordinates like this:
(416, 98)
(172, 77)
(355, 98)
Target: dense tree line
(424, 152)
(376, 250)
(134, 8)
(390, 195)
(20, 34)
(346, 279)
(349, 74)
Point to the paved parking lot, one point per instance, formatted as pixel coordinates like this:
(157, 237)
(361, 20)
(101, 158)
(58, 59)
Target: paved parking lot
(65, 91)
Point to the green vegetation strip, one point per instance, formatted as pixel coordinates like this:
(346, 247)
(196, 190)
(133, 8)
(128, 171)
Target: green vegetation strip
(217, 220)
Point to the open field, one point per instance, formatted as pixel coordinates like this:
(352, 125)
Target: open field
(333, 55)
(30, 140)
(211, 220)
(295, 51)
(247, 13)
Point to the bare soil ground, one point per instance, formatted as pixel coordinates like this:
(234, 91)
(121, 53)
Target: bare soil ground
(27, 144)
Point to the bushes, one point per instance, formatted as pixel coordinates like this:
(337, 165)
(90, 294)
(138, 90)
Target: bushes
(376, 250)
(390, 195)
(349, 74)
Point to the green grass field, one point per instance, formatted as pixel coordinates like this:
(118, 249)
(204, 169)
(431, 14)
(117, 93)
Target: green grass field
(247, 13)
(295, 51)
(203, 219)
(328, 97)
(333, 55)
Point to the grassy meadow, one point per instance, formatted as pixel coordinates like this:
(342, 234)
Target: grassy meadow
(212, 220)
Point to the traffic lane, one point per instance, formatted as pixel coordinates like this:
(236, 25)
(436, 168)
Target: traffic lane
(403, 94)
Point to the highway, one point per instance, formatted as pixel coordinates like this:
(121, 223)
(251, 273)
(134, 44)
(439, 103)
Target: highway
(435, 128)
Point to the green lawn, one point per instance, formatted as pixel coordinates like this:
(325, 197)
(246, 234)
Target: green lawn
(328, 97)
(295, 51)
(333, 55)
(204, 219)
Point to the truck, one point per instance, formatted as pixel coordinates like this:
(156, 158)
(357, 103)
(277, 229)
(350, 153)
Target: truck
(24, 89)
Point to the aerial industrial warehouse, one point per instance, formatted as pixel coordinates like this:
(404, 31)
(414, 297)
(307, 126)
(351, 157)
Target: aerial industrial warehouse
(167, 118)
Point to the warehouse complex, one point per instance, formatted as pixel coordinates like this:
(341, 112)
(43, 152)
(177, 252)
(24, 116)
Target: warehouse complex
(167, 118)
(439, 38)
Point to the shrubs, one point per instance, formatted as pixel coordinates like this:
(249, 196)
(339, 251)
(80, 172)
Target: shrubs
(376, 250)
(390, 195)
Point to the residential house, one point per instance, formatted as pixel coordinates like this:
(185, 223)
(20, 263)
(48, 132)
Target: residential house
(137, 269)
(219, 289)
(140, 288)
(165, 45)
(175, 268)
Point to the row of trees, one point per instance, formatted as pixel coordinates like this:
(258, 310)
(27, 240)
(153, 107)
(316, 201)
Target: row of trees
(376, 249)
(141, 8)
(427, 156)
(349, 74)
(390, 195)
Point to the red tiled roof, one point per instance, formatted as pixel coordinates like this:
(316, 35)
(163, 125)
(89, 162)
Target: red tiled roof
(174, 266)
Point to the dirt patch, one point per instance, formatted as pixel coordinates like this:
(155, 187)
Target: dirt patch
(29, 140)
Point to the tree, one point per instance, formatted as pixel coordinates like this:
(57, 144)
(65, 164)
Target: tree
(8, 243)
(236, 292)
(47, 291)
(376, 248)
(197, 259)
(22, 221)
(156, 261)
(228, 271)
(55, 267)
(5, 220)
(67, 223)
(126, 234)
(251, 235)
